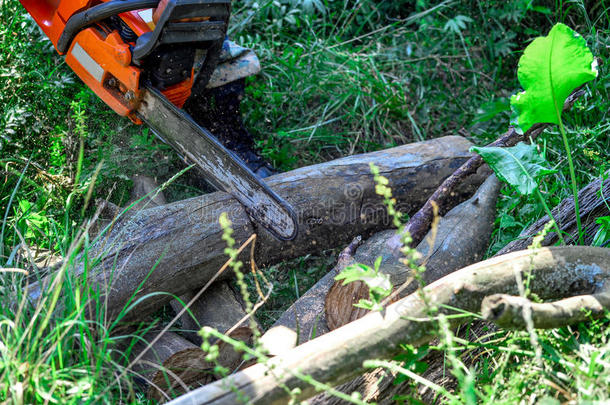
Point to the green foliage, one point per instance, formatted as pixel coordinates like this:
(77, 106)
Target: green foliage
(549, 70)
(602, 236)
(56, 345)
(521, 166)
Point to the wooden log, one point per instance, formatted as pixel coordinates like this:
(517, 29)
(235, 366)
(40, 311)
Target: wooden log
(557, 272)
(171, 365)
(221, 309)
(461, 238)
(178, 247)
(593, 203)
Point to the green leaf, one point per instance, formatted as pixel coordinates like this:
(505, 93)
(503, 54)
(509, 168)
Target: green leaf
(602, 236)
(378, 283)
(550, 69)
(520, 166)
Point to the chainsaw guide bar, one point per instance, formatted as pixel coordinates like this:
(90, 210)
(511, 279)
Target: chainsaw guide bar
(220, 166)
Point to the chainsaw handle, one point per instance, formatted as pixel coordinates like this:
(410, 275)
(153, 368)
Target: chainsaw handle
(81, 20)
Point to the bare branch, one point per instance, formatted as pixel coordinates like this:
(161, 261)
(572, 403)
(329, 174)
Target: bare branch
(508, 311)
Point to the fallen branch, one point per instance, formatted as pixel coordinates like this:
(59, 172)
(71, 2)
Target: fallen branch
(419, 224)
(178, 247)
(510, 312)
(338, 356)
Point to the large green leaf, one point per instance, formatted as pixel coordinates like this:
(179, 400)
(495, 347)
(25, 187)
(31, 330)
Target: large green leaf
(520, 166)
(549, 70)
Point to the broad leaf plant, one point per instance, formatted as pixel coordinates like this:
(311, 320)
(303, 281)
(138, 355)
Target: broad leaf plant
(550, 69)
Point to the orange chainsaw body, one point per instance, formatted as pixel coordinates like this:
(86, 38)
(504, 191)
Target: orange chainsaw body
(100, 57)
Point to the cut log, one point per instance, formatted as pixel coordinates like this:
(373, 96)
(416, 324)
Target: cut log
(593, 203)
(178, 247)
(218, 308)
(557, 273)
(462, 238)
(174, 364)
(171, 365)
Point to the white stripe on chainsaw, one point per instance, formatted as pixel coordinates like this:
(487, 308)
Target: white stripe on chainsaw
(147, 17)
(88, 62)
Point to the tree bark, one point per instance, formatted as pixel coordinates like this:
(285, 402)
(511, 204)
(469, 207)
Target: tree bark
(338, 356)
(171, 365)
(177, 247)
(218, 308)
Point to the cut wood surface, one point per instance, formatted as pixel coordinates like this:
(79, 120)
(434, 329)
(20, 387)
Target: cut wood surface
(594, 202)
(557, 273)
(171, 364)
(178, 247)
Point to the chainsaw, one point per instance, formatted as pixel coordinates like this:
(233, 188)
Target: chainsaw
(147, 58)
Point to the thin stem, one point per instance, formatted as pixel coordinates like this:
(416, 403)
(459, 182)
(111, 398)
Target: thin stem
(550, 215)
(566, 144)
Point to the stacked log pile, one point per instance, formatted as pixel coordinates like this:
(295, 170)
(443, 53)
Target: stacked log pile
(162, 253)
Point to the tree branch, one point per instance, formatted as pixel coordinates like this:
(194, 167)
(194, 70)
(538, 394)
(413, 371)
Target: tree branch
(510, 312)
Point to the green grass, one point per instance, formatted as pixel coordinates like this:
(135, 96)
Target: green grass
(339, 77)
